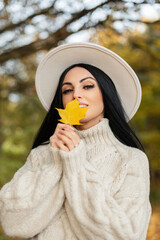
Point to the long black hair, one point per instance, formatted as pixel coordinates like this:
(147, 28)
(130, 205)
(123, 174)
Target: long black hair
(113, 110)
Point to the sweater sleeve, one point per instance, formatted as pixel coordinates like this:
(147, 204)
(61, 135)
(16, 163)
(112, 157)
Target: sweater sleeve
(34, 196)
(99, 212)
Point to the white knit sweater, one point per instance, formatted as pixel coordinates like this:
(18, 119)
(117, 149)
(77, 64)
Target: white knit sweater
(97, 191)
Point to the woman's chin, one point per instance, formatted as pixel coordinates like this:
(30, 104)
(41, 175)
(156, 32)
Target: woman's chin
(83, 120)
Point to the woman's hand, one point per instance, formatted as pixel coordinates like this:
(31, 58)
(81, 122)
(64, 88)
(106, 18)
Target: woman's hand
(64, 138)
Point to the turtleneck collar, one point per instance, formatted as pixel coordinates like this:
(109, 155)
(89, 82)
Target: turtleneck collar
(100, 133)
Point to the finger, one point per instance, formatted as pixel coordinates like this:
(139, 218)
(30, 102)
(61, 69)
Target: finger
(52, 142)
(60, 126)
(66, 141)
(64, 126)
(53, 139)
(71, 135)
(70, 127)
(61, 146)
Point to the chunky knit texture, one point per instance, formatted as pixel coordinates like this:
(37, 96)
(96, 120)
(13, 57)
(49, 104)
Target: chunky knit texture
(97, 191)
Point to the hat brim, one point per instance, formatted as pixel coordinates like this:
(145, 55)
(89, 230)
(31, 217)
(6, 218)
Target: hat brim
(57, 60)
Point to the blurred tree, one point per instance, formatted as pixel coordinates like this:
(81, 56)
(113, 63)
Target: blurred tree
(30, 28)
(141, 49)
(38, 26)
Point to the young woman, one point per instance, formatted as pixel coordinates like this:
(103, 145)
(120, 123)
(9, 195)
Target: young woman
(84, 182)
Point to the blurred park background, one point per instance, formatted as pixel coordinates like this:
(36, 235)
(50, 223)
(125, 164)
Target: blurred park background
(28, 29)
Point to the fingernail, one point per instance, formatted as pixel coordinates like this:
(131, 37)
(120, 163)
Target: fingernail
(70, 127)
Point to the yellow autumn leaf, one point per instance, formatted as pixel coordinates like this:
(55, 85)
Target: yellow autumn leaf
(72, 113)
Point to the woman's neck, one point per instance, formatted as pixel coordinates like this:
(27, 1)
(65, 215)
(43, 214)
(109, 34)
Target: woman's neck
(88, 124)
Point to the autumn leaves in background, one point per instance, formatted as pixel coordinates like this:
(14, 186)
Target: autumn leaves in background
(72, 113)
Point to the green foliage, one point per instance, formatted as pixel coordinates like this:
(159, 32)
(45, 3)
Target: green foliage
(20, 121)
(141, 50)
(20, 111)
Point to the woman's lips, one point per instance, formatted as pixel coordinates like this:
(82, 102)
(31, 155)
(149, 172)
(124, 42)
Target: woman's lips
(82, 105)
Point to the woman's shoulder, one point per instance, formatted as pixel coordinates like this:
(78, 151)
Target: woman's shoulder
(40, 155)
(132, 153)
(137, 153)
(41, 149)
(138, 158)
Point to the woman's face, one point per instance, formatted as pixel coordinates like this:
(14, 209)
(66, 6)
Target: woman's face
(81, 85)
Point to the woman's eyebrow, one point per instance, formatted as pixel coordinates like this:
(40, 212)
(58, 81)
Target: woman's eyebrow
(66, 83)
(83, 79)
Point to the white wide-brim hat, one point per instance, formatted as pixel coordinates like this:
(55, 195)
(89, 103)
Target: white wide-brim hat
(57, 60)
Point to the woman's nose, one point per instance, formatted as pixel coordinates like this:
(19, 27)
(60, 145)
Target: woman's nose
(77, 94)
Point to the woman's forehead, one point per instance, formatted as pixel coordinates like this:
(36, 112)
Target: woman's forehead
(78, 73)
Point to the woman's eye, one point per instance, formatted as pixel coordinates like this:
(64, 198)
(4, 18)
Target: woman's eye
(88, 86)
(67, 91)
